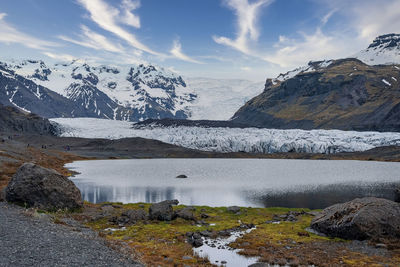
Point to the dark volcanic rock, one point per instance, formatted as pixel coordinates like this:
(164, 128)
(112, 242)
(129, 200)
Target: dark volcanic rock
(186, 213)
(397, 195)
(2, 195)
(173, 122)
(194, 239)
(130, 217)
(163, 211)
(234, 209)
(14, 120)
(361, 218)
(43, 188)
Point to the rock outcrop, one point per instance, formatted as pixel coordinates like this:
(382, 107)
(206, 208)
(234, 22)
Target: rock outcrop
(163, 211)
(360, 219)
(35, 186)
(13, 120)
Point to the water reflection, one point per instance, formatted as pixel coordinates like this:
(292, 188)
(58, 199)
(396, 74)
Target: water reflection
(313, 197)
(241, 182)
(319, 197)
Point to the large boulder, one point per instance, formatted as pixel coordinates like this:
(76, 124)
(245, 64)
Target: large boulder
(397, 195)
(361, 218)
(163, 211)
(43, 188)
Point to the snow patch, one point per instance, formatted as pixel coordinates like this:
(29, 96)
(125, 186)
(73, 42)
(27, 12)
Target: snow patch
(386, 82)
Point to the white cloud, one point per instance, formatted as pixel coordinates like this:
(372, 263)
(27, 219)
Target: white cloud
(62, 57)
(10, 35)
(373, 18)
(176, 51)
(247, 17)
(317, 46)
(93, 40)
(128, 17)
(109, 17)
(245, 68)
(360, 22)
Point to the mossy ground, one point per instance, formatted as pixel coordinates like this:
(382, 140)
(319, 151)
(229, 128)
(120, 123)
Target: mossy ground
(164, 243)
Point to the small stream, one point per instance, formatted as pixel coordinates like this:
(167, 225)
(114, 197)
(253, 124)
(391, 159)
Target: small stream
(218, 251)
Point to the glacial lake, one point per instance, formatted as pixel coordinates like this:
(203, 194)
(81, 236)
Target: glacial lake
(242, 182)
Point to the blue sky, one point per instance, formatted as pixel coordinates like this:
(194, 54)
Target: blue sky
(251, 39)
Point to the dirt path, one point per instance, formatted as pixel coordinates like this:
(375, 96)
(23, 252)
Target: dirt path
(36, 241)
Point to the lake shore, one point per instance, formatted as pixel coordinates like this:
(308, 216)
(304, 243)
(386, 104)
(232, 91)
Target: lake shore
(54, 152)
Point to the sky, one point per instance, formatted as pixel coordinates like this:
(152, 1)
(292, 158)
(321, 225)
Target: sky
(246, 39)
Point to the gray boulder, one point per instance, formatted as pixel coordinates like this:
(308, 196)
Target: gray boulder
(35, 186)
(233, 209)
(130, 217)
(163, 211)
(186, 213)
(397, 195)
(2, 194)
(360, 219)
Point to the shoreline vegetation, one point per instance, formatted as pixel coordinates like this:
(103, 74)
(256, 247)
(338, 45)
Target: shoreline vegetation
(164, 243)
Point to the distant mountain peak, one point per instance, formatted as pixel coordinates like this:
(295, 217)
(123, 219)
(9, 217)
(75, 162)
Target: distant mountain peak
(385, 49)
(391, 40)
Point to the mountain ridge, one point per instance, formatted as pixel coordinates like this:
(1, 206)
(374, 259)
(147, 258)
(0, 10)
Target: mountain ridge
(347, 95)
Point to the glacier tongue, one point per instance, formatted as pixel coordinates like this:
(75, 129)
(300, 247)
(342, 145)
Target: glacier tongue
(233, 139)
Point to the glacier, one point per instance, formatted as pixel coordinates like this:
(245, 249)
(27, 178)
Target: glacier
(250, 140)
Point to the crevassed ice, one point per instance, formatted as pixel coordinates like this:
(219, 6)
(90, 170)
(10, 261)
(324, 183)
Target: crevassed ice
(233, 139)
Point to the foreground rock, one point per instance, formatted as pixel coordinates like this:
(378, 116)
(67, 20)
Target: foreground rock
(186, 213)
(397, 195)
(2, 195)
(163, 211)
(361, 218)
(43, 188)
(130, 217)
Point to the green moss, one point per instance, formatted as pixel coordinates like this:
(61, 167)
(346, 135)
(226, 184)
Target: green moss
(157, 241)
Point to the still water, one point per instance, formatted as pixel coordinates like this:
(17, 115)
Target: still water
(242, 182)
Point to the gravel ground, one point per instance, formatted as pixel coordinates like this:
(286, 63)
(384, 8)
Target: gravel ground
(36, 241)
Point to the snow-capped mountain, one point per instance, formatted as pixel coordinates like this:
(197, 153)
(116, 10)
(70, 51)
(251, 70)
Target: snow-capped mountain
(385, 49)
(310, 67)
(17, 91)
(134, 92)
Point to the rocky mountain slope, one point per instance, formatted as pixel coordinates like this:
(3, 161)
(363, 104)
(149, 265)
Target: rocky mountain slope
(344, 94)
(13, 120)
